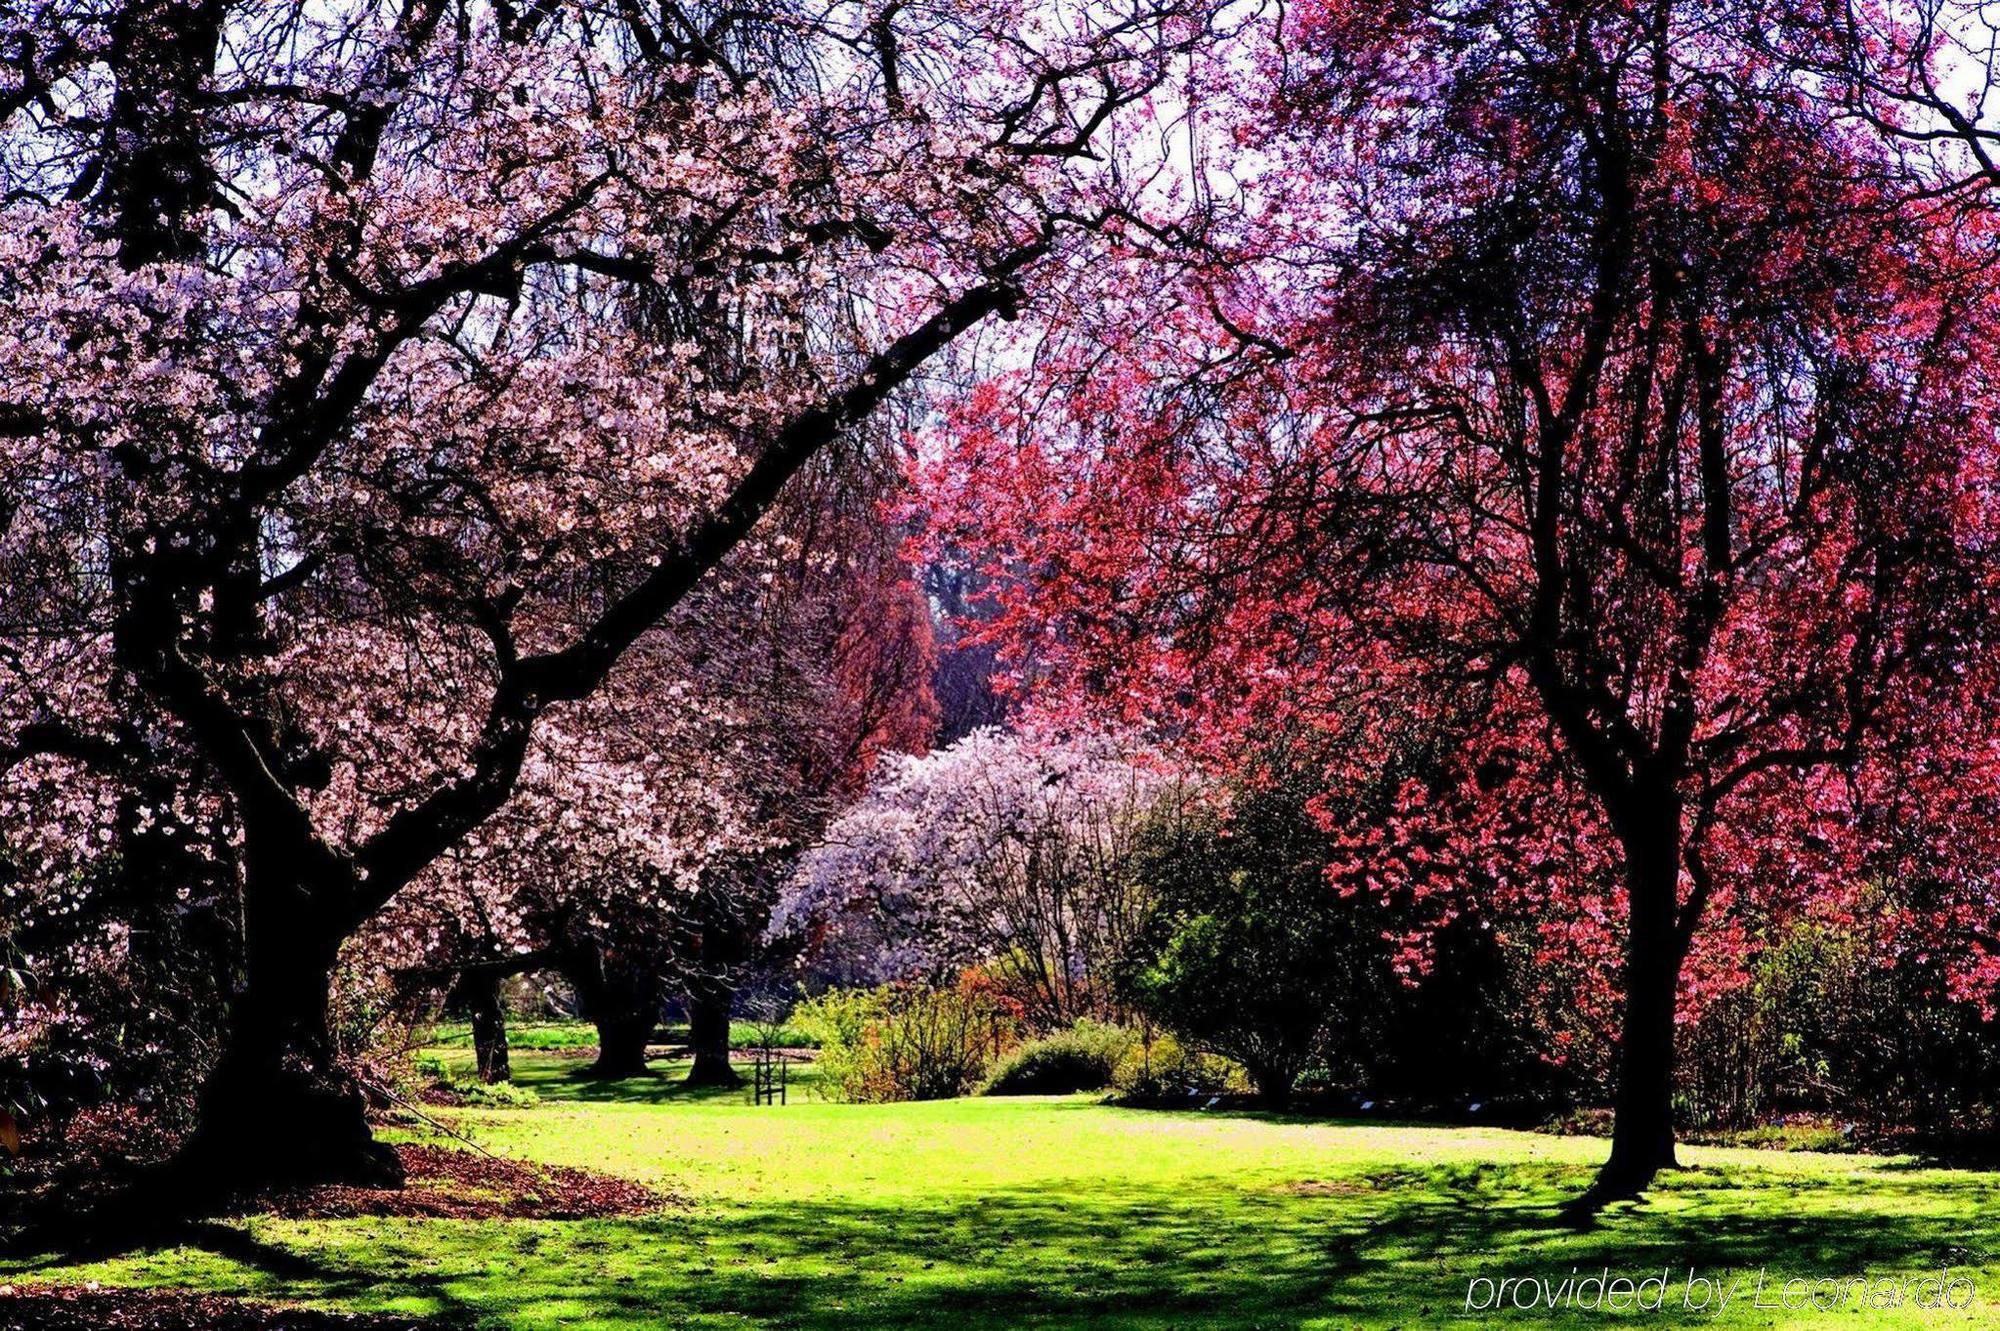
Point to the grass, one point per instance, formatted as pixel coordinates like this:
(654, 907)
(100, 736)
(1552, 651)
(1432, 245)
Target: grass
(550, 1035)
(1062, 1212)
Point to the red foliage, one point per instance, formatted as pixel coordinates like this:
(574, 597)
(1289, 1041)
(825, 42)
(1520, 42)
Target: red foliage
(1582, 389)
(882, 666)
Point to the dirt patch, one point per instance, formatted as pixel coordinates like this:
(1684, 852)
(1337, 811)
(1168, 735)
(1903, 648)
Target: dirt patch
(1340, 1187)
(446, 1183)
(77, 1308)
(1363, 1186)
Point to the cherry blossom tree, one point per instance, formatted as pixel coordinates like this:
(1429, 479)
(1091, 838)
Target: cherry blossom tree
(807, 656)
(379, 378)
(1005, 848)
(1589, 383)
(1920, 74)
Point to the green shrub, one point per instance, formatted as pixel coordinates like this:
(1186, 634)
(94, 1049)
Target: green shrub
(1840, 1019)
(1245, 951)
(1083, 1058)
(434, 1070)
(905, 1042)
(1166, 1069)
(837, 1021)
(498, 1095)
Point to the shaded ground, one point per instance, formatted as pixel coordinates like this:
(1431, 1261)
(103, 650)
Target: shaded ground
(80, 1183)
(580, 1037)
(978, 1215)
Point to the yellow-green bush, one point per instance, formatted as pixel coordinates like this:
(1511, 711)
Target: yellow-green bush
(1164, 1068)
(1084, 1057)
(906, 1042)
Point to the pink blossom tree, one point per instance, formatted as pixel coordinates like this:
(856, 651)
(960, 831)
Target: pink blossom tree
(805, 657)
(379, 379)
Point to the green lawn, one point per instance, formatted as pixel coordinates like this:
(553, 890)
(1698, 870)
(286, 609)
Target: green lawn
(545, 1035)
(1068, 1213)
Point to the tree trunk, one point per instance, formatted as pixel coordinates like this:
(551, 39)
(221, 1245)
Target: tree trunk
(709, 1005)
(1642, 1133)
(478, 994)
(1274, 1080)
(1275, 1092)
(622, 1037)
(175, 887)
(621, 997)
(278, 1108)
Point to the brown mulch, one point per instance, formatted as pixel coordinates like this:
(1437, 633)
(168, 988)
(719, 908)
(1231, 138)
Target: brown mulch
(83, 1170)
(446, 1183)
(79, 1308)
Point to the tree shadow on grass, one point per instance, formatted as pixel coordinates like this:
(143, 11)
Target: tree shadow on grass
(1370, 1247)
(562, 1078)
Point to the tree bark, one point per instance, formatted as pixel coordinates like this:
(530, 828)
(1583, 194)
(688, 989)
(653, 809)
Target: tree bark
(157, 174)
(709, 1006)
(1642, 1133)
(1274, 1090)
(278, 1107)
(478, 994)
(621, 997)
(622, 1037)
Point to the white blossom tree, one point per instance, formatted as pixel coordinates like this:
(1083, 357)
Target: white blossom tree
(1004, 847)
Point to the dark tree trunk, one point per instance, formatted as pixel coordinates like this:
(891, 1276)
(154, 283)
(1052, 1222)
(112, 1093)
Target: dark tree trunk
(278, 1107)
(174, 885)
(1274, 1082)
(1642, 1133)
(477, 993)
(156, 173)
(708, 1035)
(621, 997)
(621, 1042)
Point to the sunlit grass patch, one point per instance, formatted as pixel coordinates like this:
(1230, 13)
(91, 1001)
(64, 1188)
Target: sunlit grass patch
(1064, 1212)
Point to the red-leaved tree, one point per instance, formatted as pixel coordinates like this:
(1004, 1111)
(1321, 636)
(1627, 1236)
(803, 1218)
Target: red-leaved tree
(1584, 382)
